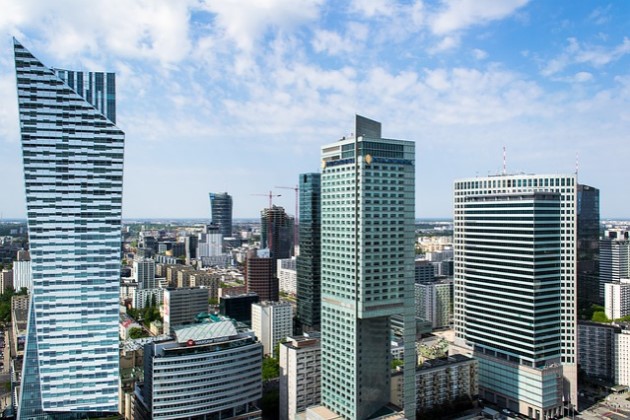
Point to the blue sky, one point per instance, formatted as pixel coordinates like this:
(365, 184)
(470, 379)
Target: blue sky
(239, 95)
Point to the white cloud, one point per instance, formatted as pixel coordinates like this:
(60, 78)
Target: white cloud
(594, 55)
(583, 76)
(246, 22)
(156, 30)
(372, 8)
(447, 43)
(479, 54)
(457, 15)
(600, 15)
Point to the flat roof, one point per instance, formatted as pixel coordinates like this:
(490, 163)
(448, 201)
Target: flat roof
(205, 331)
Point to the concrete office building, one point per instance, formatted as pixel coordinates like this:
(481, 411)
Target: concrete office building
(515, 288)
(144, 273)
(614, 257)
(221, 212)
(209, 243)
(596, 350)
(617, 299)
(367, 269)
(6, 280)
(145, 297)
(287, 275)
(434, 302)
(424, 271)
(300, 374)
(73, 171)
(441, 381)
(271, 322)
(181, 306)
(206, 371)
(309, 261)
(622, 358)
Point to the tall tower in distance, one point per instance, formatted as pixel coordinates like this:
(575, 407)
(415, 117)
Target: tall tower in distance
(515, 288)
(367, 269)
(309, 261)
(221, 212)
(73, 168)
(276, 222)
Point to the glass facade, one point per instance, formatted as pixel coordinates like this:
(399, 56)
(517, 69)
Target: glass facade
(309, 260)
(221, 212)
(590, 290)
(73, 167)
(367, 269)
(515, 266)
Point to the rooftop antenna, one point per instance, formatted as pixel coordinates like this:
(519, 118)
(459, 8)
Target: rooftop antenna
(504, 162)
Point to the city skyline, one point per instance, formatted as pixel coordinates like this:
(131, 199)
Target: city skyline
(246, 95)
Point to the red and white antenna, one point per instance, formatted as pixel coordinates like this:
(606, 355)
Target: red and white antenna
(504, 162)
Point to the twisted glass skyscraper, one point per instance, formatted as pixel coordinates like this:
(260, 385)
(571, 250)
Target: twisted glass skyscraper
(73, 167)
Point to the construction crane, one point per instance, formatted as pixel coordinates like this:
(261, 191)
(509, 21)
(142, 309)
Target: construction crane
(295, 231)
(271, 195)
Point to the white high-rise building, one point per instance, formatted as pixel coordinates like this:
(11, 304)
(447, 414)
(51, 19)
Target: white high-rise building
(617, 299)
(287, 275)
(622, 358)
(22, 275)
(614, 257)
(271, 322)
(300, 374)
(210, 242)
(515, 287)
(73, 170)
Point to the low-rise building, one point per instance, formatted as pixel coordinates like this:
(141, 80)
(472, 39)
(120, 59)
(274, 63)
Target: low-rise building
(205, 371)
(440, 381)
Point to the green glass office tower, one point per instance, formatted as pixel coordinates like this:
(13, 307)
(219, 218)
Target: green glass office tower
(367, 269)
(309, 260)
(73, 167)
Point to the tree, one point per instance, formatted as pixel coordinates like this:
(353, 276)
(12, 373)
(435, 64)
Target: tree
(600, 316)
(396, 363)
(135, 332)
(270, 368)
(213, 301)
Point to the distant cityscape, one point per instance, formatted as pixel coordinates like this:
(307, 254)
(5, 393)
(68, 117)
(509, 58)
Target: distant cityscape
(349, 307)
